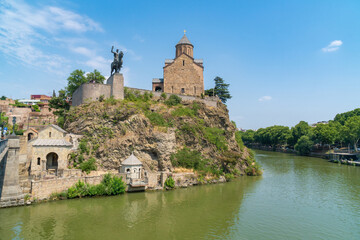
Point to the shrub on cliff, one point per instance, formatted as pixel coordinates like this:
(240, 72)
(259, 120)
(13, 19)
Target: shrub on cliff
(173, 100)
(188, 159)
(88, 165)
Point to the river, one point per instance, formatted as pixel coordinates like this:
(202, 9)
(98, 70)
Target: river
(296, 198)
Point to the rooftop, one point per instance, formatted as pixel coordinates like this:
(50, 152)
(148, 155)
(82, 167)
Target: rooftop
(184, 40)
(51, 142)
(131, 161)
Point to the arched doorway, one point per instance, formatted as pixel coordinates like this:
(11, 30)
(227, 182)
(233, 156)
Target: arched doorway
(52, 161)
(30, 136)
(158, 89)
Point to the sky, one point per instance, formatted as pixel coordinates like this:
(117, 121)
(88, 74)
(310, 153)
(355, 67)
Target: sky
(285, 61)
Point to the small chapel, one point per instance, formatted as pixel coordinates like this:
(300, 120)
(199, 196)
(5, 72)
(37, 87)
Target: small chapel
(182, 75)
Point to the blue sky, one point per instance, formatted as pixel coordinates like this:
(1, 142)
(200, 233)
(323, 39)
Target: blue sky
(285, 61)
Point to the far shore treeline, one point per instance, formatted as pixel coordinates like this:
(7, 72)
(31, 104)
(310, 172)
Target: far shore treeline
(343, 131)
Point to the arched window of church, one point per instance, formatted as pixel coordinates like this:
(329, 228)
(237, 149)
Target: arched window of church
(183, 62)
(172, 89)
(183, 90)
(49, 134)
(38, 161)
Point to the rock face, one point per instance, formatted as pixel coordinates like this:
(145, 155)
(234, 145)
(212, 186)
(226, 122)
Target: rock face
(155, 131)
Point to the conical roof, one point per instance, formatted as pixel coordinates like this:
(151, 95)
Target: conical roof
(132, 160)
(184, 40)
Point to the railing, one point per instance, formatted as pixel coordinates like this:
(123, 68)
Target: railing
(3, 144)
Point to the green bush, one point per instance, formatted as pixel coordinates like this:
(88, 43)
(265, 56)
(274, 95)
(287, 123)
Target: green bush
(173, 100)
(229, 177)
(88, 165)
(163, 96)
(216, 136)
(110, 185)
(183, 111)
(239, 140)
(188, 159)
(36, 108)
(170, 182)
(83, 146)
(157, 119)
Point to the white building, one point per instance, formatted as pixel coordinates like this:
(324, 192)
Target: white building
(132, 167)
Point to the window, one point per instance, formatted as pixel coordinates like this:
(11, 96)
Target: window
(38, 161)
(172, 89)
(183, 90)
(183, 62)
(49, 134)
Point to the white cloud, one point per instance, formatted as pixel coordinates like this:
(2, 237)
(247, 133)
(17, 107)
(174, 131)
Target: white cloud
(265, 98)
(26, 31)
(333, 46)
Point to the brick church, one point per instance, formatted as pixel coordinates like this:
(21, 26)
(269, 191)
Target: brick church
(183, 74)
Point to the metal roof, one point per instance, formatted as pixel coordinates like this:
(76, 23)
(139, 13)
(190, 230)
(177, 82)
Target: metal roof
(169, 60)
(158, 80)
(184, 40)
(131, 161)
(51, 142)
(198, 61)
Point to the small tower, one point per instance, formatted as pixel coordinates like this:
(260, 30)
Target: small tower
(184, 46)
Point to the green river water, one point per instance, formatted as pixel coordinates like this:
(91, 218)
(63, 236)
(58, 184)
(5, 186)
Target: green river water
(296, 198)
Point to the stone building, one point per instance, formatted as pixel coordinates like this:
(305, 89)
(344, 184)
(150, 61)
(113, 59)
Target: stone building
(182, 75)
(49, 151)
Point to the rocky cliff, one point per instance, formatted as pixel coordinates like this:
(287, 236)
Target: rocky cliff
(162, 133)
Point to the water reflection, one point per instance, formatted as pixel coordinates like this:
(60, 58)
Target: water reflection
(203, 212)
(296, 198)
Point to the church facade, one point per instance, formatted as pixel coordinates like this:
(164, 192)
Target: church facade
(182, 75)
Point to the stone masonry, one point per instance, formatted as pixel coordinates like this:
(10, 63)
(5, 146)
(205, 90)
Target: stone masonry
(10, 191)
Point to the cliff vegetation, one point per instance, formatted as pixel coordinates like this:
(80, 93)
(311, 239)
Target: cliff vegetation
(165, 134)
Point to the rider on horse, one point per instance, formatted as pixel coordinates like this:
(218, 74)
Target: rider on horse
(117, 63)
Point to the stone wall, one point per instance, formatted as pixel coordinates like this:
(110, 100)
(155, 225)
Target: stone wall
(10, 191)
(90, 92)
(42, 189)
(209, 101)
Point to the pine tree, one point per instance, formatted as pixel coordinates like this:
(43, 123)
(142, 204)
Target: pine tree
(221, 90)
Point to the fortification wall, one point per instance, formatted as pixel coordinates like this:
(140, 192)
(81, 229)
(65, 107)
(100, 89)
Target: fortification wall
(90, 92)
(42, 189)
(209, 101)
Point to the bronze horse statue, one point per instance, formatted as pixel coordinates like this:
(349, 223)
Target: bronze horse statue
(116, 65)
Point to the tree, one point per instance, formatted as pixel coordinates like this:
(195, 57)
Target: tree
(61, 104)
(95, 77)
(75, 79)
(326, 133)
(3, 98)
(248, 136)
(300, 129)
(351, 130)
(221, 90)
(304, 145)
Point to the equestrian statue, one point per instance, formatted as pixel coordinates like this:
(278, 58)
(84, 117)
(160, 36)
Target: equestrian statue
(116, 65)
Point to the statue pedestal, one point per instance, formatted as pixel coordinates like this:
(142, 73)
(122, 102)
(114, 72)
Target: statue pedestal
(116, 81)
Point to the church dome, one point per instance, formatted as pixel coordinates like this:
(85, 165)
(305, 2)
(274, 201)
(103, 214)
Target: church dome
(184, 40)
